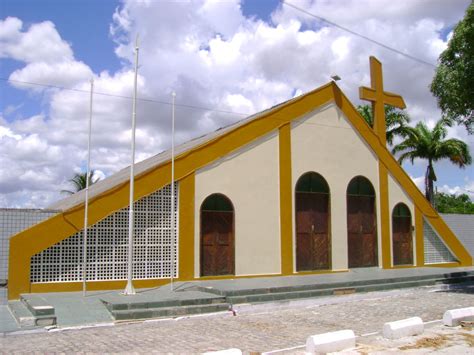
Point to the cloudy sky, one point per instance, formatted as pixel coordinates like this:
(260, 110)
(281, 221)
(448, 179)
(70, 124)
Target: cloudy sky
(236, 57)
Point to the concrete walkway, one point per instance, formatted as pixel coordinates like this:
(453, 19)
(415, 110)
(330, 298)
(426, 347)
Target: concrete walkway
(349, 277)
(73, 309)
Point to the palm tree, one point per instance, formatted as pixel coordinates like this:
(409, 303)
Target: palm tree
(395, 119)
(423, 143)
(79, 182)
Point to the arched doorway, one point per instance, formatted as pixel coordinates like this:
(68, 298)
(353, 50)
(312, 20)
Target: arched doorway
(217, 236)
(361, 223)
(402, 235)
(312, 223)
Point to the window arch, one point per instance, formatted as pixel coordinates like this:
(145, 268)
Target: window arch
(360, 186)
(217, 202)
(401, 210)
(312, 182)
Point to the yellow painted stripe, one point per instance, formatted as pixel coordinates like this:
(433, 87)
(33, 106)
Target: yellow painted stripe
(286, 209)
(452, 264)
(186, 227)
(420, 243)
(384, 217)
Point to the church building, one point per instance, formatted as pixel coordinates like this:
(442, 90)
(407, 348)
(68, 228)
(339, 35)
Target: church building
(305, 187)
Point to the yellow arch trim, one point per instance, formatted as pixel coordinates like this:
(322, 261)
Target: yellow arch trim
(51, 231)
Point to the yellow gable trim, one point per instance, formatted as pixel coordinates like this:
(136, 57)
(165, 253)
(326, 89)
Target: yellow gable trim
(45, 234)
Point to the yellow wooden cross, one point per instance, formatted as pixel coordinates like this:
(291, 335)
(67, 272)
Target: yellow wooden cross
(379, 99)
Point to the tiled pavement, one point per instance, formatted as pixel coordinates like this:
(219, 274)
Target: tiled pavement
(257, 328)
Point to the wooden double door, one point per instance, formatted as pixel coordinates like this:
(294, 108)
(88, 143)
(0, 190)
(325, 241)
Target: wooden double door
(217, 243)
(402, 240)
(312, 231)
(362, 231)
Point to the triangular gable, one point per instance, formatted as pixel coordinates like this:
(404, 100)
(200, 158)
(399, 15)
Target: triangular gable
(436, 251)
(28, 243)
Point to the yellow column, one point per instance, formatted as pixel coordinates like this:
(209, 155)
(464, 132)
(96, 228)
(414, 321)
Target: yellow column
(286, 209)
(186, 227)
(420, 246)
(384, 217)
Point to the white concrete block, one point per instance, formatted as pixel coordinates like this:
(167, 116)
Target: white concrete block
(330, 342)
(232, 351)
(403, 328)
(453, 317)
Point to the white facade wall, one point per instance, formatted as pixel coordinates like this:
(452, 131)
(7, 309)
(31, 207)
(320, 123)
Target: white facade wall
(326, 143)
(250, 179)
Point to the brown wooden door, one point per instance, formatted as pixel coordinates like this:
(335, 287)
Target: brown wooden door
(217, 243)
(402, 241)
(362, 231)
(312, 231)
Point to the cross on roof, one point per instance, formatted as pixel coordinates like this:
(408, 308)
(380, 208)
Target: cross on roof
(379, 98)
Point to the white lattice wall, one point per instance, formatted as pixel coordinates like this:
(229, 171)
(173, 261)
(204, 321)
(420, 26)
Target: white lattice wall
(107, 246)
(12, 221)
(435, 249)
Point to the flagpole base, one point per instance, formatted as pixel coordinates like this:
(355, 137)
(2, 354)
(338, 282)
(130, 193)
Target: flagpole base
(129, 289)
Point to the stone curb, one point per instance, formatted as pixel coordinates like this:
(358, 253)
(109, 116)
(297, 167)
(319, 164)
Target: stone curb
(453, 317)
(330, 342)
(403, 328)
(232, 351)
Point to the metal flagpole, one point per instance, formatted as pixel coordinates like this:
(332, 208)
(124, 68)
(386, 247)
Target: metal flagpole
(172, 224)
(129, 289)
(86, 203)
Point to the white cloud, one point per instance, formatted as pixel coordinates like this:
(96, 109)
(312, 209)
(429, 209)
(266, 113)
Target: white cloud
(65, 74)
(419, 182)
(467, 189)
(41, 42)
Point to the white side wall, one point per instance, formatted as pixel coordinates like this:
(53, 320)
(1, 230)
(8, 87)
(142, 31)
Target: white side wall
(250, 179)
(396, 195)
(326, 143)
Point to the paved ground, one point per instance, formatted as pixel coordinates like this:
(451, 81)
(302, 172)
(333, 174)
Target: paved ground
(257, 328)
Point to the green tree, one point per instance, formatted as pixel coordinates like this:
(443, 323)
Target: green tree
(396, 120)
(453, 83)
(79, 182)
(446, 203)
(423, 143)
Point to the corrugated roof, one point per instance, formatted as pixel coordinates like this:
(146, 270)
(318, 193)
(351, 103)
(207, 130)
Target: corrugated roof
(148, 164)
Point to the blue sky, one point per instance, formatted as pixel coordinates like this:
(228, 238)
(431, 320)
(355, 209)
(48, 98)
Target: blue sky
(240, 56)
(91, 43)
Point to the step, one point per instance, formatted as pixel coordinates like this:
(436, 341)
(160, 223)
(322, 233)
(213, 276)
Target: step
(26, 319)
(23, 316)
(118, 306)
(42, 311)
(447, 278)
(135, 314)
(37, 305)
(268, 297)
